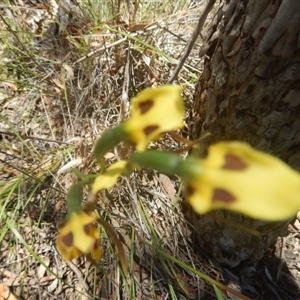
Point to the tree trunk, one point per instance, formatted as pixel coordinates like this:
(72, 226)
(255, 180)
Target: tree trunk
(250, 91)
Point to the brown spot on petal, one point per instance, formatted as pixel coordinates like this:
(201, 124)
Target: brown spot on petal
(189, 190)
(145, 106)
(87, 228)
(222, 195)
(68, 239)
(149, 129)
(233, 162)
(97, 244)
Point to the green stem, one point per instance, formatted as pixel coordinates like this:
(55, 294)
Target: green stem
(109, 140)
(74, 198)
(168, 163)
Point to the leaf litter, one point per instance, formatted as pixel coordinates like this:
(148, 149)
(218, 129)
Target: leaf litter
(58, 93)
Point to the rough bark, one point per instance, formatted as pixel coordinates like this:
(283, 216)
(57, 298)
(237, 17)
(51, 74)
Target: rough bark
(249, 90)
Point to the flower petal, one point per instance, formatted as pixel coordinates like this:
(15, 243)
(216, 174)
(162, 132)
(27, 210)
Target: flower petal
(240, 178)
(109, 178)
(154, 111)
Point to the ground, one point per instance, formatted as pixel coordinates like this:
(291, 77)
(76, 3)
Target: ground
(68, 71)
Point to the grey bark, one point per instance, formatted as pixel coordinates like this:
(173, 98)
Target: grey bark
(249, 90)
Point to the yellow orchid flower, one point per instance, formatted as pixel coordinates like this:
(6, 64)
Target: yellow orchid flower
(154, 111)
(79, 236)
(108, 179)
(237, 177)
(233, 176)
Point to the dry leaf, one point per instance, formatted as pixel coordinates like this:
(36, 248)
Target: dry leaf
(7, 84)
(168, 186)
(69, 70)
(109, 155)
(5, 293)
(41, 271)
(58, 84)
(137, 27)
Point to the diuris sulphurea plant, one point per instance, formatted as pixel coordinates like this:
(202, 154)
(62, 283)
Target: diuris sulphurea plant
(153, 112)
(233, 176)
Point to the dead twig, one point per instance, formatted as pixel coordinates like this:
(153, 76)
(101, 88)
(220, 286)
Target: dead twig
(193, 39)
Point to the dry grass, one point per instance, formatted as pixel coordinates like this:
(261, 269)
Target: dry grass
(67, 74)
